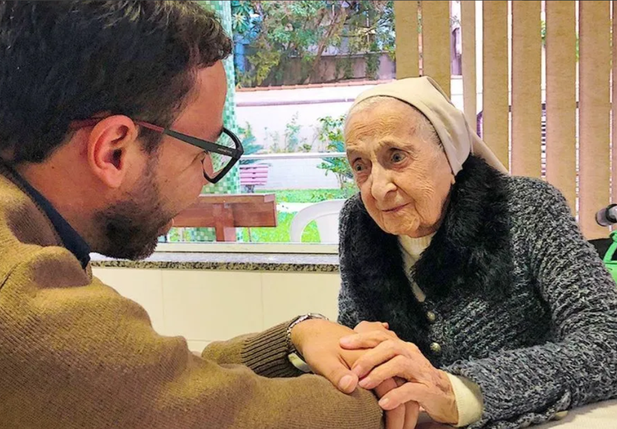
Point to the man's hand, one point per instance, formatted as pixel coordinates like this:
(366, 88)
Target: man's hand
(319, 343)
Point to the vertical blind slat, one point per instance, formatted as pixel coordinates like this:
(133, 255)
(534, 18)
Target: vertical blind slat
(526, 90)
(406, 33)
(614, 106)
(495, 116)
(594, 113)
(561, 98)
(436, 42)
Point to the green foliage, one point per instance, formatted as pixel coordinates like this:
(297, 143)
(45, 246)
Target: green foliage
(331, 133)
(370, 32)
(281, 30)
(249, 143)
(331, 129)
(280, 234)
(292, 134)
(291, 140)
(344, 68)
(241, 22)
(372, 66)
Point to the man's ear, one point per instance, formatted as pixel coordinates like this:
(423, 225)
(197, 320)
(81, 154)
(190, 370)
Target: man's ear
(111, 144)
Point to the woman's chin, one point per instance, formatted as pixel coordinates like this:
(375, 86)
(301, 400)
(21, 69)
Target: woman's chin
(399, 228)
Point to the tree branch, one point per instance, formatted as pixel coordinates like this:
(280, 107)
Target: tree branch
(338, 21)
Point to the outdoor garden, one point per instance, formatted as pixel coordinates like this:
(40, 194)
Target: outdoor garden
(304, 43)
(329, 134)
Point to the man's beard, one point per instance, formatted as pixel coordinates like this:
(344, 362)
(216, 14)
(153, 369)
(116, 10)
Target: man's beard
(131, 227)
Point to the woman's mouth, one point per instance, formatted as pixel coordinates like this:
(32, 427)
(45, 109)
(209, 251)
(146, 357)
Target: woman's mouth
(396, 209)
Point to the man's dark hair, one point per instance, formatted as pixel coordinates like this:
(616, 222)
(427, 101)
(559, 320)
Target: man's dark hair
(67, 60)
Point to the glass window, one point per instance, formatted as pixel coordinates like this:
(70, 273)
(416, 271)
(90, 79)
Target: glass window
(296, 69)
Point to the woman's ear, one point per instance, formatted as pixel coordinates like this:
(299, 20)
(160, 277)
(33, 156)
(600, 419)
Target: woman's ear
(111, 145)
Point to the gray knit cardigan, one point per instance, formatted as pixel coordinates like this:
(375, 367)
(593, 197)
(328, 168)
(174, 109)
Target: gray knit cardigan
(524, 306)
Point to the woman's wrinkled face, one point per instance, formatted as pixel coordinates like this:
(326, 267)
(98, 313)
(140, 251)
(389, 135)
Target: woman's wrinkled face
(403, 177)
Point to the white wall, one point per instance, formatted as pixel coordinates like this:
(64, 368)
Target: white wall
(272, 109)
(298, 174)
(205, 306)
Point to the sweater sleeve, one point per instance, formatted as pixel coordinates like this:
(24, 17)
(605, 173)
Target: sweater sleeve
(266, 353)
(532, 385)
(77, 354)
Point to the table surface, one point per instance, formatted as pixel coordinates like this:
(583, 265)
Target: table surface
(602, 415)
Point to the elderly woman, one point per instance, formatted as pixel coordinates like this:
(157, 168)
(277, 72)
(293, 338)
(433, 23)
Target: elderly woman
(505, 314)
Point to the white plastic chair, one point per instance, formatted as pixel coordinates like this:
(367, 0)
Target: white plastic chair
(325, 214)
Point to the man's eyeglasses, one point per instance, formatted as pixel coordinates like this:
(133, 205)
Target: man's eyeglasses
(222, 154)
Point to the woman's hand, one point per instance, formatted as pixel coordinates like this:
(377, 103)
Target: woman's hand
(404, 416)
(364, 327)
(391, 357)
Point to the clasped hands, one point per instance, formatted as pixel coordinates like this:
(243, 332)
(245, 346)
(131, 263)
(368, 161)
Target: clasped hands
(373, 357)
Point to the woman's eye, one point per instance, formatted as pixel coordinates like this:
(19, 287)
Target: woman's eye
(398, 157)
(358, 167)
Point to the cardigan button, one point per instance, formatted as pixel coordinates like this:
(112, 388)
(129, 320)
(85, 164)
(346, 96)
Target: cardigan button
(431, 317)
(435, 348)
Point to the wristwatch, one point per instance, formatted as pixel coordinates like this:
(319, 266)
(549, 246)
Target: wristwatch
(294, 355)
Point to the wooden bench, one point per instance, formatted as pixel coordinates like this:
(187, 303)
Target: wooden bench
(252, 175)
(225, 213)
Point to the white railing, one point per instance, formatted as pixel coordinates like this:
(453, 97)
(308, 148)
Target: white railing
(295, 155)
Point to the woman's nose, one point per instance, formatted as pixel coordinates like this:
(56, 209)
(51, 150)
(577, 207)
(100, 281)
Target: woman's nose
(381, 183)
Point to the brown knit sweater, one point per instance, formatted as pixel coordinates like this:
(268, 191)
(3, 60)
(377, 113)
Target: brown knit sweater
(76, 354)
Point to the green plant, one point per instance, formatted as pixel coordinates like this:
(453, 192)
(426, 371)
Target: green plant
(241, 22)
(292, 140)
(331, 133)
(249, 143)
(372, 66)
(292, 134)
(344, 68)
